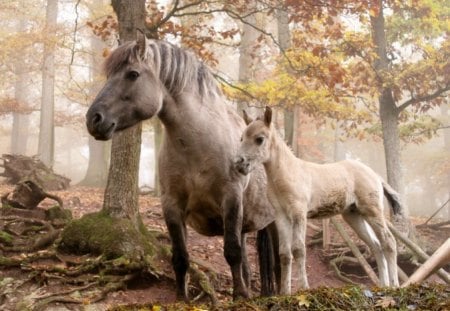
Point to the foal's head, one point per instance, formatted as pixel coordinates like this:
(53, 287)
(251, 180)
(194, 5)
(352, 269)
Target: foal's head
(255, 142)
(132, 92)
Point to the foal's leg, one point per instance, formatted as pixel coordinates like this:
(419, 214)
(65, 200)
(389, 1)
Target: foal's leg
(364, 231)
(388, 244)
(172, 209)
(299, 247)
(284, 227)
(233, 213)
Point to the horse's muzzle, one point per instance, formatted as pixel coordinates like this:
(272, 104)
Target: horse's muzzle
(242, 165)
(98, 126)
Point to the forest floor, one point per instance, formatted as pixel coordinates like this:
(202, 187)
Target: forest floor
(204, 250)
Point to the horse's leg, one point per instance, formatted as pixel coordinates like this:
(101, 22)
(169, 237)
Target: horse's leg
(269, 260)
(299, 247)
(177, 230)
(233, 213)
(246, 272)
(284, 227)
(365, 232)
(388, 245)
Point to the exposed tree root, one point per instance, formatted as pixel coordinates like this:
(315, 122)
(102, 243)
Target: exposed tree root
(29, 244)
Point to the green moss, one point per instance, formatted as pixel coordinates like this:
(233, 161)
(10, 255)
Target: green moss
(57, 212)
(99, 233)
(6, 238)
(415, 297)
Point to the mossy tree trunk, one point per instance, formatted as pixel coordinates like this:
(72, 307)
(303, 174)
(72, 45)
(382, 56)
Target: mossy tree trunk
(117, 230)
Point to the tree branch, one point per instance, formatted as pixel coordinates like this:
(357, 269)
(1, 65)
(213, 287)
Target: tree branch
(415, 100)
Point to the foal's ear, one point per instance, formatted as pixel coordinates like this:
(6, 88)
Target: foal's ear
(268, 116)
(247, 119)
(141, 43)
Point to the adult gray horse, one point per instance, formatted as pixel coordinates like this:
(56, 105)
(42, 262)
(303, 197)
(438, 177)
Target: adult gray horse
(199, 184)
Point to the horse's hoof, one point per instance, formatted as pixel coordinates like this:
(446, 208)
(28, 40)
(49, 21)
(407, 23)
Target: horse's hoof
(240, 296)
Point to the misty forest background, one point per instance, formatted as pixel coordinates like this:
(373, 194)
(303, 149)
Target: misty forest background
(345, 83)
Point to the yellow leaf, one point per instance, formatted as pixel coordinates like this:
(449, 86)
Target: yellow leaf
(385, 302)
(303, 300)
(156, 308)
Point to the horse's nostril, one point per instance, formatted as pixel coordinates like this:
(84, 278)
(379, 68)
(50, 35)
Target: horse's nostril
(98, 118)
(239, 160)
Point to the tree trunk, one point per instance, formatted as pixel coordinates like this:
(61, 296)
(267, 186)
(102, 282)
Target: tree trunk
(284, 40)
(389, 113)
(46, 128)
(121, 194)
(97, 171)
(249, 37)
(117, 230)
(19, 137)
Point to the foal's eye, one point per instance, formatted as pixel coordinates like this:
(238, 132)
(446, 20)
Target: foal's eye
(259, 140)
(132, 75)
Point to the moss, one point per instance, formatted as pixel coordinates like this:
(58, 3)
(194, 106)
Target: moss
(415, 297)
(57, 212)
(6, 238)
(99, 233)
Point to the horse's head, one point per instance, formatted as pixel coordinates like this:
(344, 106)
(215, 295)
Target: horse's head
(132, 92)
(255, 142)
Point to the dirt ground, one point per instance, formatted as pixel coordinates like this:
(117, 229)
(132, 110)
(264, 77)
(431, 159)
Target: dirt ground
(204, 250)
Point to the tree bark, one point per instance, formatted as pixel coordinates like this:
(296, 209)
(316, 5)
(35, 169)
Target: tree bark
(389, 113)
(46, 144)
(249, 37)
(19, 137)
(284, 40)
(121, 193)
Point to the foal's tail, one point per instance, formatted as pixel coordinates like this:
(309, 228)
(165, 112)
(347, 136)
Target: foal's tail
(393, 197)
(267, 261)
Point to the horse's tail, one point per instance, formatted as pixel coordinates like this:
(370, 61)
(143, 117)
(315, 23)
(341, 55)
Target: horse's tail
(393, 197)
(267, 262)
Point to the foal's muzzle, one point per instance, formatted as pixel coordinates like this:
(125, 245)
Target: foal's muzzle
(242, 165)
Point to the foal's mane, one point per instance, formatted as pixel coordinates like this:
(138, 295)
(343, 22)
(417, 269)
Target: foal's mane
(177, 68)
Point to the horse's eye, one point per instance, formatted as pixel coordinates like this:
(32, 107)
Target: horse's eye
(132, 75)
(259, 140)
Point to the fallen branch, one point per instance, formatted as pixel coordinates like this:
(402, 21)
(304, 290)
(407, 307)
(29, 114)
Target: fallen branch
(356, 252)
(417, 251)
(340, 275)
(434, 214)
(440, 258)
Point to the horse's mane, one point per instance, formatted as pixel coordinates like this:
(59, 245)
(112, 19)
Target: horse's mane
(177, 68)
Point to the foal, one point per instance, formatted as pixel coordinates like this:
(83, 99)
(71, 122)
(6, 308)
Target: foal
(299, 190)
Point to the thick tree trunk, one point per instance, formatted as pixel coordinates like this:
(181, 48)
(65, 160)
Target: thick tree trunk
(121, 194)
(389, 113)
(46, 128)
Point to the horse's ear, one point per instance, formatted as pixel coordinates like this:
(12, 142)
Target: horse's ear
(247, 118)
(141, 43)
(268, 116)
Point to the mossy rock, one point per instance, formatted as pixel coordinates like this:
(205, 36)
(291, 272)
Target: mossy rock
(101, 234)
